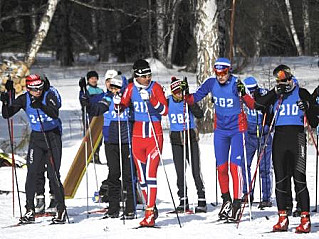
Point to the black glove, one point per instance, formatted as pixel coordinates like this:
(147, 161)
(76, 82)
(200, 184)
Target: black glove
(84, 99)
(184, 86)
(241, 88)
(36, 102)
(280, 89)
(303, 105)
(82, 83)
(315, 93)
(9, 85)
(4, 97)
(46, 83)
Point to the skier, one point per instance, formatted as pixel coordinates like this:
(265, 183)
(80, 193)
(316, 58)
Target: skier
(95, 94)
(41, 103)
(230, 122)
(177, 118)
(255, 137)
(149, 105)
(112, 149)
(289, 144)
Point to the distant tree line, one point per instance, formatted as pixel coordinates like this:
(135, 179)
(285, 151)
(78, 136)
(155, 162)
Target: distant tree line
(165, 29)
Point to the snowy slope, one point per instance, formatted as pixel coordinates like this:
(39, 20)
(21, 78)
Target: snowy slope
(193, 226)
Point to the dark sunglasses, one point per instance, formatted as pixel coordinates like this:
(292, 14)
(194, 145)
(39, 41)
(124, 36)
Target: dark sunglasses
(36, 89)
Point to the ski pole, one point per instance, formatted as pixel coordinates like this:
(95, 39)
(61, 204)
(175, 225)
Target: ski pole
(184, 152)
(93, 154)
(14, 171)
(121, 166)
(245, 157)
(261, 154)
(161, 159)
(315, 210)
(132, 165)
(57, 179)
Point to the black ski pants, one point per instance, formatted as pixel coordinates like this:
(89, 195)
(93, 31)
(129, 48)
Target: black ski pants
(114, 183)
(289, 159)
(39, 154)
(40, 185)
(178, 158)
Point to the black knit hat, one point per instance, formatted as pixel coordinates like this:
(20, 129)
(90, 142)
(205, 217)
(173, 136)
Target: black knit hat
(141, 68)
(282, 72)
(92, 74)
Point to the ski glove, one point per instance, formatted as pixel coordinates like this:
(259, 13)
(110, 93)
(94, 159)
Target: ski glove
(4, 98)
(82, 83)
(46, 83)
(144, 94)
(184, 86)
(241, 88)
(36, 102)
(303, 105)
(315, 93)
(117, 99)
(9, 85)
(84, 99)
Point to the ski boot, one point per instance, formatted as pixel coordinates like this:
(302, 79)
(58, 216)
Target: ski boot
(60, 217)
(297, 212)
(52, 208)
(155, 212)
(236, 210)
(183, 205)
(40, 206)
(29, 217)
(264, 204)
(226, 207)
(201, 206)
(305, 224)
(149, 219)
(283, 222)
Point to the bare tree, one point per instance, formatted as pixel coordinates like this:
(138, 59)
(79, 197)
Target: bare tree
(41, 33)
(293, 29)
(306, 26)
(206, 32)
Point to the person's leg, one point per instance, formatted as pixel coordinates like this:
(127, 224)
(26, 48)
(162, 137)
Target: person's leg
(113, 180)
(265, 172)
(127, 180)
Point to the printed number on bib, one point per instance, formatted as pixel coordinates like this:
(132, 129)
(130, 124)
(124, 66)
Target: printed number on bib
(44, 118)
(223, 102)
(179, 118)
(140, 106)
(288, 109)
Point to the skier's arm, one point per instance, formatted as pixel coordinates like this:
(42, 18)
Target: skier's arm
(158, 100)
(52, 106)
(100, 107)
(262, 102)
(311, 109)
(126, 98)
(14, 107)
(196, 111)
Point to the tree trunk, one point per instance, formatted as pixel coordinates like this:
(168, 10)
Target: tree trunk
(160, 10)
(95, 30)
(221, 9)
(306, 27)
(150, 42)
(292, 28)
(41, 33)
(206, 32)
(231, 37)
(64, 45)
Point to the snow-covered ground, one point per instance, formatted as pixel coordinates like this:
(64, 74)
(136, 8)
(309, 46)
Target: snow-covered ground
(193, 226)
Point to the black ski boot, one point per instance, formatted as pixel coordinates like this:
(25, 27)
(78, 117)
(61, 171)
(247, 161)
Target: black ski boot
(264, 204)
(236, 210)
(297, 212)
(52, 209)
(226, 207)
(60, 217)
(40, 206)
(155, 210)
(29, 217)
(183, 204)
(201, 206)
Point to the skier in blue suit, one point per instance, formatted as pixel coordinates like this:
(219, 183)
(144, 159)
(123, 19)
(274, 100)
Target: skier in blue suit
(255, 137)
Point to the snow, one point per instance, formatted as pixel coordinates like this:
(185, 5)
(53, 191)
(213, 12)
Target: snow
(193, 226)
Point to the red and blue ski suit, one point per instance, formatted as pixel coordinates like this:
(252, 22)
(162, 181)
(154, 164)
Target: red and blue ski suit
(144, 149)
(230, 122)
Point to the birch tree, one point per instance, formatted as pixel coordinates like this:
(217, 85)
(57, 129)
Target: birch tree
(306, 26)
(293, 29)
(206, 32)
(41, 32)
